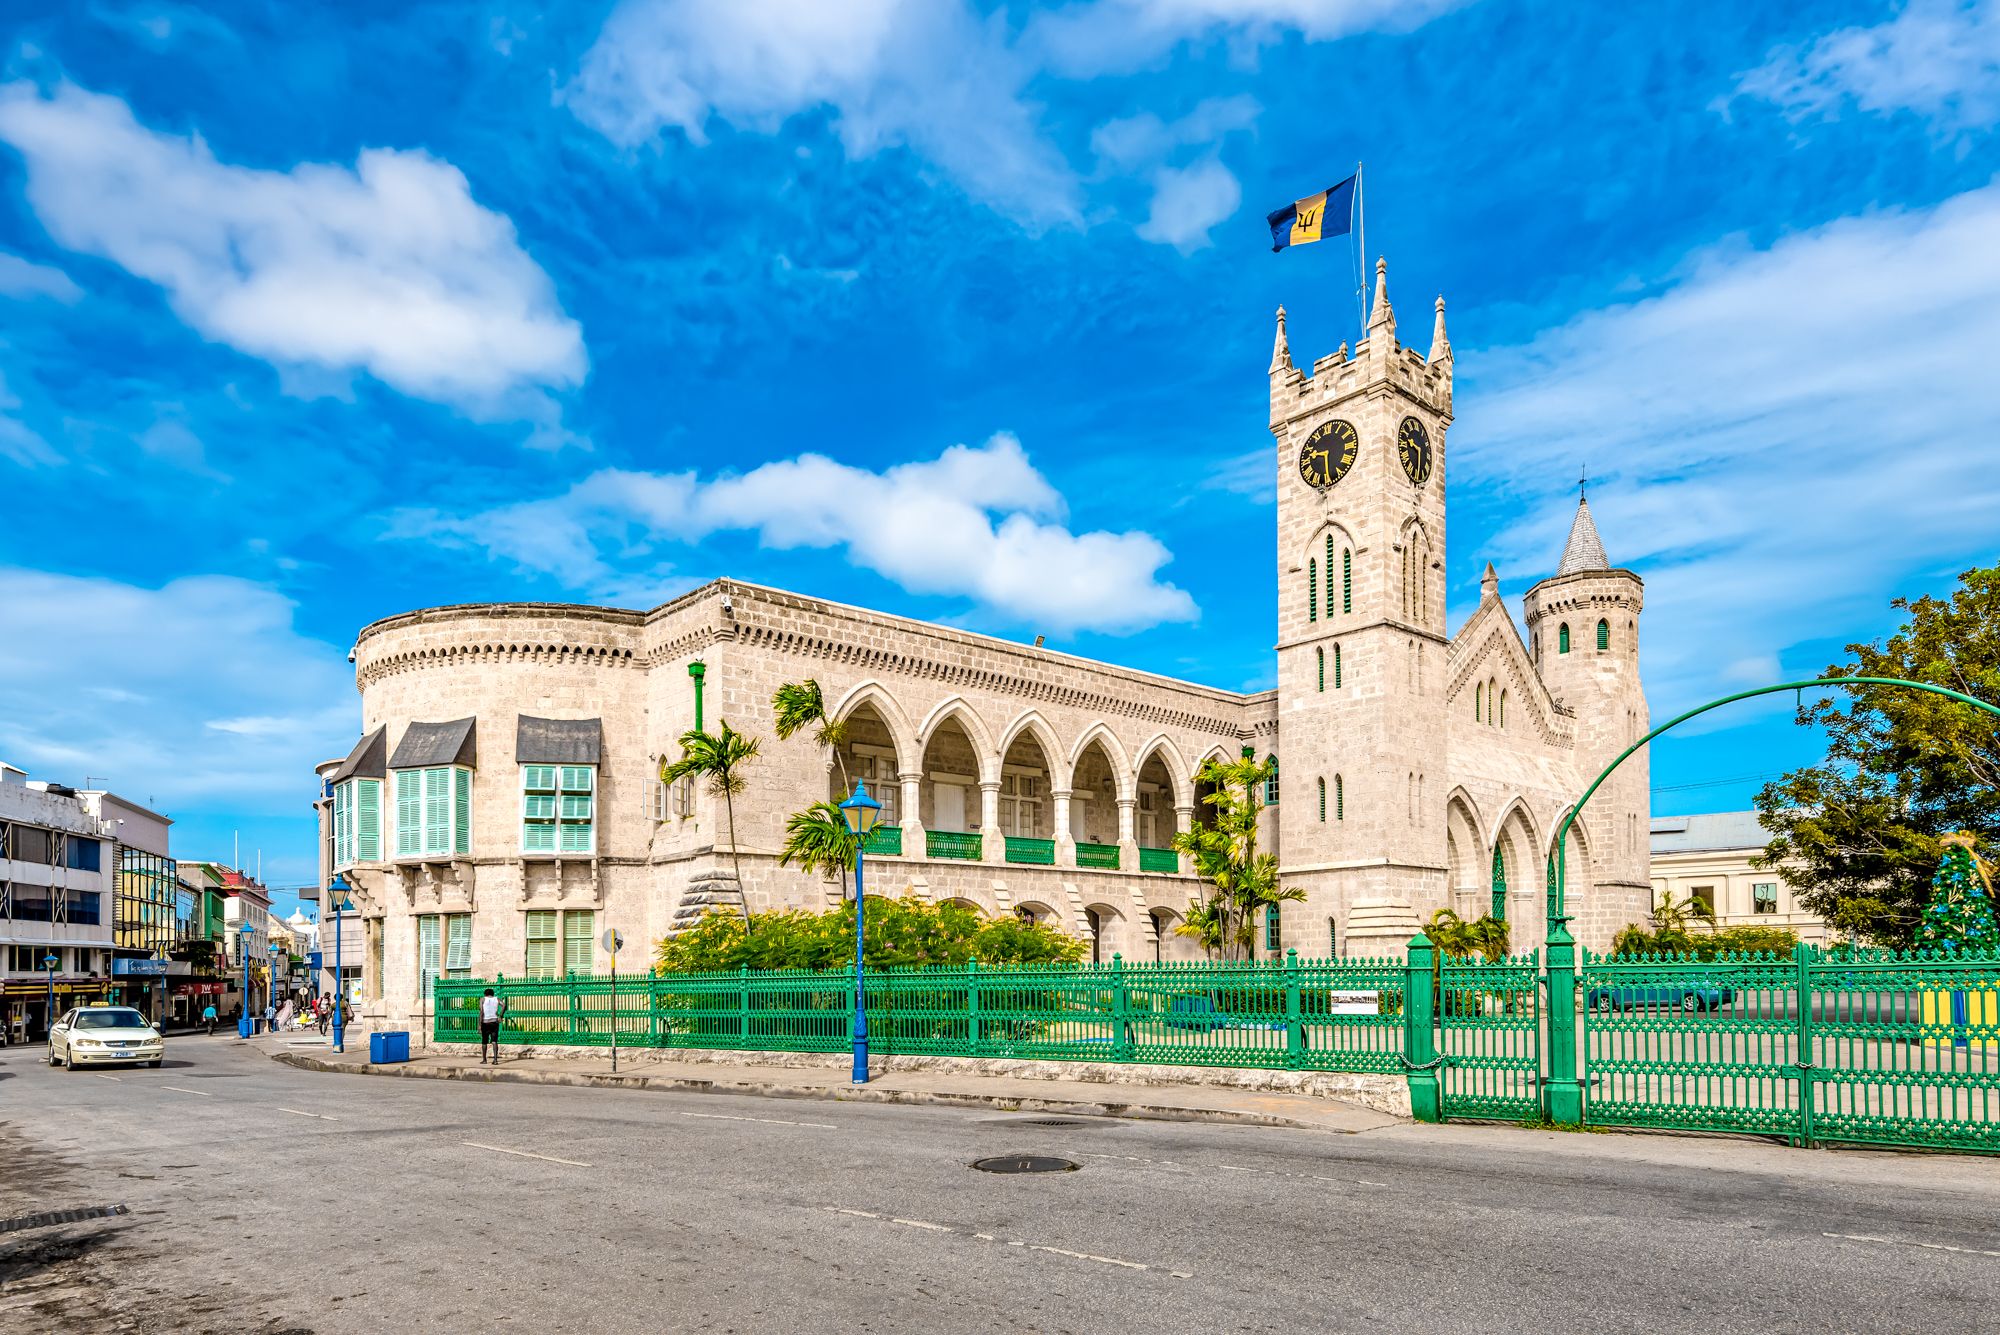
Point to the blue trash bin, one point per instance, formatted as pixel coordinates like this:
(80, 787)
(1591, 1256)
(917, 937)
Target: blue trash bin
(388, 1045)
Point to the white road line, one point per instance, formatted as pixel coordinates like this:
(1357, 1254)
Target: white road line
(502, 1149)
(101, 1076)
(298, 1113)
(1008, 1242)
(770, 1121)
(1902, 1242)
(198, 1093)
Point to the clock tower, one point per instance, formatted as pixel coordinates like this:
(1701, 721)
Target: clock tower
(1360, 446)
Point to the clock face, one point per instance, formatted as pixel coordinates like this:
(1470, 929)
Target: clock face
(1413, 445)
(1328, 453)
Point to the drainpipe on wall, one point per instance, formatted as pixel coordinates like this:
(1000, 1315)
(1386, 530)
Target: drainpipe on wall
(697, 670)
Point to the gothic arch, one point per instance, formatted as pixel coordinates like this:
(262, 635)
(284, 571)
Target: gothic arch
(1123, 775)
(877, 697)
(1468, 853)
(956, 708)
(1037, 727)
(1179, 773)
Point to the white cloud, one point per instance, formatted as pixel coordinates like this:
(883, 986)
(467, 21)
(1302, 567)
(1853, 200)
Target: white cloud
(19, 441)
(24, 278)
(1188, 201)
(977, 521)
(1939, 58)
(390, 267)
(1107, 36)
(928, 75)
(1144, 139)
(152, 690)
(1789, 436)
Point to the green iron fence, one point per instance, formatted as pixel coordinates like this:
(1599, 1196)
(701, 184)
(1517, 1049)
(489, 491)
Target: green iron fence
(1314, 1015)
(1489, 1019)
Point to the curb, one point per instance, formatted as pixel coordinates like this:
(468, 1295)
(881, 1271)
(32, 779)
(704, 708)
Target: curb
(859, 1094)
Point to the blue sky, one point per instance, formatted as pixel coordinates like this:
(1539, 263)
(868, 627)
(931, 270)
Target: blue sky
(313, 314)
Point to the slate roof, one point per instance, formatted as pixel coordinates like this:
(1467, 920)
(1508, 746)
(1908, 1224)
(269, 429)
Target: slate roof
(426, 744)
(558, 741)
(366, 760)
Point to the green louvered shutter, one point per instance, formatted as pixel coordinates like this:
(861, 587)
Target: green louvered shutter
(343, 825)
(461, 812)
(409, 813)
(367, 820)
(458, 946)
(427, 953)
(542, 961)
(1312, 589)
(576, 942)
(437, 811)
(1346, 579)
(1329, 574)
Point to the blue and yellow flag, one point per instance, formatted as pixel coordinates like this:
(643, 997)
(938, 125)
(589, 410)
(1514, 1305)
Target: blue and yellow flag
(1328, 213)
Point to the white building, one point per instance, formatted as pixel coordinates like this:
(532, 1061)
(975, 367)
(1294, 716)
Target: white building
(56, 891)
(1706, 858)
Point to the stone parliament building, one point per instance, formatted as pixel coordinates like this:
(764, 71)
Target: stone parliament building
(502, 806)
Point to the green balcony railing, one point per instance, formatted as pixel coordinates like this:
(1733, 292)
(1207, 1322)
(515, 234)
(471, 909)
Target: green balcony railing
(884, 839)
(953, 844)
(1102, 857)
(1037, 852)
(1159, 859)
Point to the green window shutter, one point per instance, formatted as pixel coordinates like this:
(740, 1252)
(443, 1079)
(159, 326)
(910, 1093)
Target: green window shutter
(427, 953)
(541, 806)
(1272, 935)
(1271, 784)
(1346, 579)
(538, 778)
(368, 820)
(1329, 574)
(1562, 638)
(1322, 799)
(1479, 703)
(578, 779)
(573, 836)
(576, 806)
(538, 836)
(1499, 906)
(409, 813)
(343, 824)
(1312, 589)
(458, 945)
(542, 961)
(1321, 655)
(1339, 798)
(461, 813)
(437, 810)
(576, 942)
(1603, 635)
(1336, 667)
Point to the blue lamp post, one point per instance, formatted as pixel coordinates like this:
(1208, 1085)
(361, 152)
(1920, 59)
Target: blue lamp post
(861, 812)
(244, 1024)
(49, 962)
(337, 900)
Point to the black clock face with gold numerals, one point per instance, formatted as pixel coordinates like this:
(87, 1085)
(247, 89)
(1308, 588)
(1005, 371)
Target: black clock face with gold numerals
(1328, 453)
(1413, 446)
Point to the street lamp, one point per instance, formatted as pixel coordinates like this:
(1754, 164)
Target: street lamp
(49, 962)
(337, 899)
(860, 812)
(243, 1022)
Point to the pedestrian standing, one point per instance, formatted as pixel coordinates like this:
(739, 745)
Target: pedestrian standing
(491, 1008)
(208, 1018)
(270, 1017)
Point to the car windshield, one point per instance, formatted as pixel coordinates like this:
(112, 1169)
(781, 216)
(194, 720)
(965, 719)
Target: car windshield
(110, 1019)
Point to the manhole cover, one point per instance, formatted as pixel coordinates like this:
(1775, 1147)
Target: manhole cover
(50, 1218)
(1024, 1163)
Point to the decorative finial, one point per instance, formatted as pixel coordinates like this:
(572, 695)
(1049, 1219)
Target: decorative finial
(1583, 483)
(1440, 345)
(1489, 583)
(1381, 313)
(1281, 348)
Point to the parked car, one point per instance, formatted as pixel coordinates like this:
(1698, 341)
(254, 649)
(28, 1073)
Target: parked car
(1687, 996)
(100, 1035)
(1204, 1015)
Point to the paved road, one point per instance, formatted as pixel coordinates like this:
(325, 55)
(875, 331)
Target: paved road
(467, 1208)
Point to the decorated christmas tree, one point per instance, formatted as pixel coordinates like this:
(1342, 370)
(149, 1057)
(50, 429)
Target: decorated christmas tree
(1959, 917)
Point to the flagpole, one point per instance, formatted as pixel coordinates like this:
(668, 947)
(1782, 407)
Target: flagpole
(1360, 230)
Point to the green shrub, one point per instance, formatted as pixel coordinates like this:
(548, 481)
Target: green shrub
(1636, 940)
(902, 934)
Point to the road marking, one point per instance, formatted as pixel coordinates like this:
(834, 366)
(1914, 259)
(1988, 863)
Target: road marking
(198, 1093)
(297, 1113)
(927, 1226)
(770, 1121)
(502, 1149)
(1239, 1168)
(101, 1076)
(1902, 1242)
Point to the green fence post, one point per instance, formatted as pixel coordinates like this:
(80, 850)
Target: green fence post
(1121, 1012)
(1562, 1092)
(1803, 1058)
(1295, 1030)
(575, 1007)
(972, 1008)
(653, 1012)
(1420, 1056)
(743, 1004)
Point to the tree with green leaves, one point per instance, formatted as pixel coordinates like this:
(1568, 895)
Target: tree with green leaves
(1225, 855)
(903, 933)
(820, 842)
(1858, 835)
(798, 705)
(718, 758)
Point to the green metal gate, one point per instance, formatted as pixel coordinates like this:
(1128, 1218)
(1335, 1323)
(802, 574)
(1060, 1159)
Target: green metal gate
(1489, 1018)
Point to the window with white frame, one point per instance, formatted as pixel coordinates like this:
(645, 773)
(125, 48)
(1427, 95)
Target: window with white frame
(444, 949)
(357, 822)
(1764, 896)
(559, 808)
(433, 811)
(877, 769)
(1020, 804)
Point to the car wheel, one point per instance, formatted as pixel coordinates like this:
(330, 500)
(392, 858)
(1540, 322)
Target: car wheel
(1691, 1003)
(155, 1063)
(1603, 1006)
(53, 1059)
(69, 1061)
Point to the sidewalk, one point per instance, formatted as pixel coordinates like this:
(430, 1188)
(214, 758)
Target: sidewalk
(1180, 1103)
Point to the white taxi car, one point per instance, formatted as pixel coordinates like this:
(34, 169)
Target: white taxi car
(96, 1035)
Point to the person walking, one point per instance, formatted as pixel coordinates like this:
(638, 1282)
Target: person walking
(491, 1009)
(270, 1017)
(208, 1018)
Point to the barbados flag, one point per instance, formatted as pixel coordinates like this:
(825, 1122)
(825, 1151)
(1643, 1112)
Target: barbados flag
(1328, 213)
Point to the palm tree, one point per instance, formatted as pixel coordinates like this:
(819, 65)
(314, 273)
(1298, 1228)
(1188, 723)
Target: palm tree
(799, 704)
(1451, 934)
(719, 758)
(1225, 854)
(819, 841)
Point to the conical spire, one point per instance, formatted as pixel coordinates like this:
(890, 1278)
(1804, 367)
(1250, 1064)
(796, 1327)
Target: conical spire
(1440, 345)
(1281, 348)
(1585, 550)
(1489, 583)
(1380, 313)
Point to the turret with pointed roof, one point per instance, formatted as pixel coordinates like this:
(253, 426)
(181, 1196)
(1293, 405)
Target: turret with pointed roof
(1585, 550)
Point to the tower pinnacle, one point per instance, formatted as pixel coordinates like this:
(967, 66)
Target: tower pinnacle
(1381, 314)
(1281, 348)
(1440, 345)
(1585, 550)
